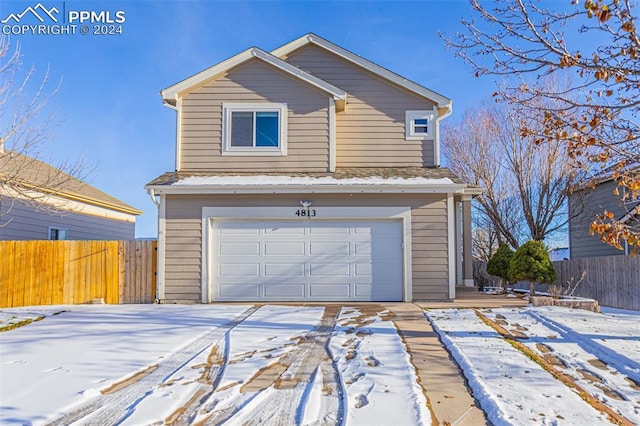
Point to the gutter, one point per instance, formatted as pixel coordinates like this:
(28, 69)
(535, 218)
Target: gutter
(313, 189)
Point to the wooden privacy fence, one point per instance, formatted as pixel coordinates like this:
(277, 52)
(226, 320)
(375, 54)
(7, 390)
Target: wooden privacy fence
(71, 272)
(613, 281)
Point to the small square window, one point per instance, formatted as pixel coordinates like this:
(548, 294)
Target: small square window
(57, 233)
(419, 124)
(254, 129)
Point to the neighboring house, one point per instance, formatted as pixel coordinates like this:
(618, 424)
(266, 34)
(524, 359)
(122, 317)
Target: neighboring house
(585, 204)
(40, 202)
(309, 174)
(559, 253)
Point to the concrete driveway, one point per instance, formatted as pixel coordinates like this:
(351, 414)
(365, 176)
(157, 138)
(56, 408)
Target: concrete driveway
(313, 364)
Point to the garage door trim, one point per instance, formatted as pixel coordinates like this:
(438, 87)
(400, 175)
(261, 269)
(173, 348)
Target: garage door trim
(211, 214)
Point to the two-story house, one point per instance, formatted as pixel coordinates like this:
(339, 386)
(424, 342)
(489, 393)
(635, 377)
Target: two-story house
(309, 174)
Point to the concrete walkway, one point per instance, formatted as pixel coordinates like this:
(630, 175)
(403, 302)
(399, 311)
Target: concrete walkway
(448, 396)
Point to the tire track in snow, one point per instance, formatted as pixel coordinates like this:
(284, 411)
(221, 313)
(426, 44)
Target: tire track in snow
(630, 367)
(115, 407)
(283, 401)
(216, 373)
(561, 376)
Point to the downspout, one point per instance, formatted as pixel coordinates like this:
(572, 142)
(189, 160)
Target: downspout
(160, 247)
(177, 108)
(436, 148)
(152, 194)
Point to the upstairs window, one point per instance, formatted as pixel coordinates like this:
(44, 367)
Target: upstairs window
(57, 233)
(254, 129)
(419, 125)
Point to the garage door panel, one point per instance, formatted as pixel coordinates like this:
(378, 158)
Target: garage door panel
(239, 249)
(238, 228)
(239, 270)
(284, 269)
(284, 291)
(284, 249)
(324, 229)
(283, 229)
(329, 249)
(362, 248)
(363, 269)
(329, 268)
(328, 290)
(362, 230)
(308, 260)
(376, 294)
(239, 292)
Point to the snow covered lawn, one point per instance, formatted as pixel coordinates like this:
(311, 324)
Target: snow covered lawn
(145, 364)
(598, 353)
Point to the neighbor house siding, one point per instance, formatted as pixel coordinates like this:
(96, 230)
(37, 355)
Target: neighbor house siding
(371, 131)
(308, 122)
(587, 204)
(19, 221)
(184, 235)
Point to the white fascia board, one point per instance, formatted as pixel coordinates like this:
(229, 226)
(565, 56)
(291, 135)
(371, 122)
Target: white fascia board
(472, 191)
(285, 50)
(171, 94)
(313, 189)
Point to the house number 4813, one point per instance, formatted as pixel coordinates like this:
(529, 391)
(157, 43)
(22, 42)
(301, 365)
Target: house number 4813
(306, 213)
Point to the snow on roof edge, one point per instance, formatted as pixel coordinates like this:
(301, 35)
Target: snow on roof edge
(306, 180)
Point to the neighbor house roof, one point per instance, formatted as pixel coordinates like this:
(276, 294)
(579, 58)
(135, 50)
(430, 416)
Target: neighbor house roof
(416, 179)
(36, 175)
(171, 94)
(606, 175)
(313, 39)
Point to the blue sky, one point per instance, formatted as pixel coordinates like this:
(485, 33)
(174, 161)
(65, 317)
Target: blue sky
(109, 104)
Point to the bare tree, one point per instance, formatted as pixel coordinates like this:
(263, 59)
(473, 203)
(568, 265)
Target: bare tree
(524, 185)
(596, 117)
(24, 129)
(484, 239)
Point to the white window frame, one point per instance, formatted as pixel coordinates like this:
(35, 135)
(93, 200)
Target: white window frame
(51, 228)
(229, 108)
(410, 123)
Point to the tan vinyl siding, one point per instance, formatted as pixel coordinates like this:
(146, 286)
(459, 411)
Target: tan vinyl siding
(19, 221)
(371, 132)
(429, 244)
(308, 122)
(183, 233)
(589, 203)
(182, 259)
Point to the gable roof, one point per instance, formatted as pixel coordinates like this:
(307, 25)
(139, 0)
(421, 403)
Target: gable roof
(36, 175)
(171, 94)
(310, 38)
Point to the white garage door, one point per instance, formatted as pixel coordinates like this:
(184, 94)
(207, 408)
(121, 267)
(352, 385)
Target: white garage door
(307, 261)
